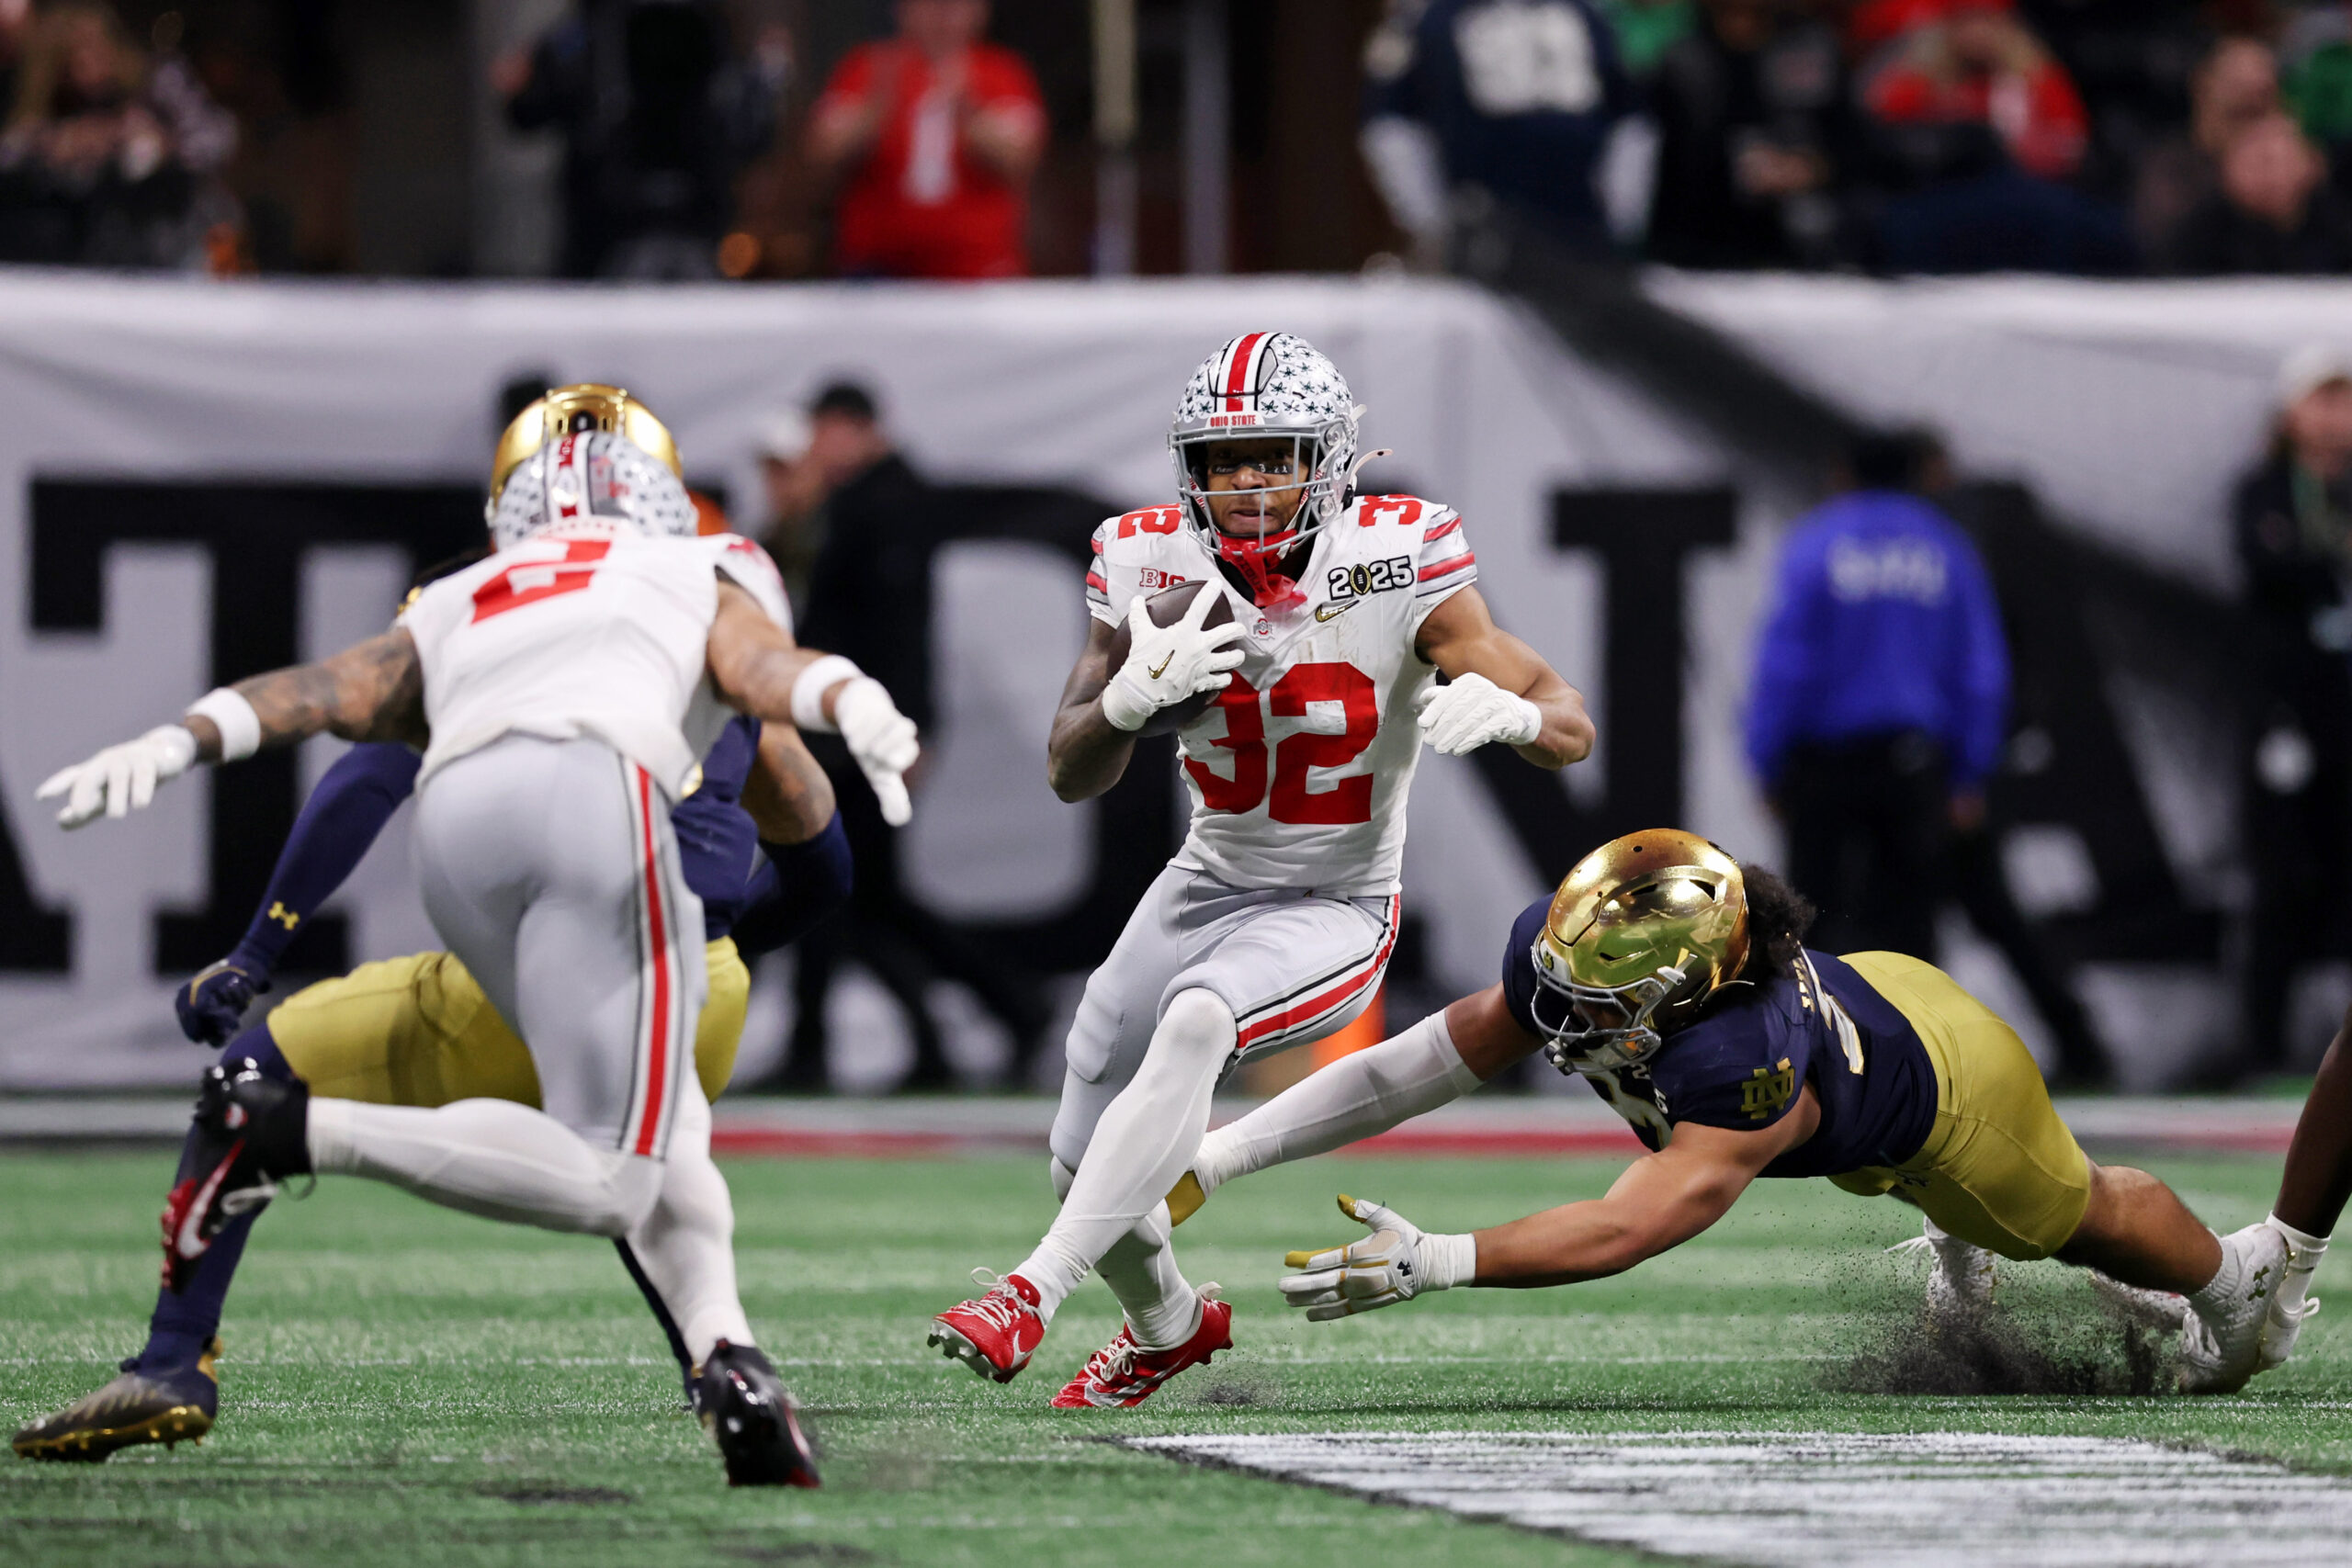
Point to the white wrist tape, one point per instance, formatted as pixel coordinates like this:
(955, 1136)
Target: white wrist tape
(1124, 707)
(809, 688)
(233, 717)
(2303, 1249)
(1531, 724)
(1448, 1260)
(1361, 1094)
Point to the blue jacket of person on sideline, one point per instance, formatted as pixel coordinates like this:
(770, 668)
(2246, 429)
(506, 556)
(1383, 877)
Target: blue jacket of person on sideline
(1882, 620)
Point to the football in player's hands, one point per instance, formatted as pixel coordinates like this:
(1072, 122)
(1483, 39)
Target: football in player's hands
(1166, 608)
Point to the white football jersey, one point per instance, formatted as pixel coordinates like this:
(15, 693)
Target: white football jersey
(1299, 771)
(604, 637)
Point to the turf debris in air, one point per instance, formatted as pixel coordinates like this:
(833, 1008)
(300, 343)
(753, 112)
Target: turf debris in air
(2047, 1332)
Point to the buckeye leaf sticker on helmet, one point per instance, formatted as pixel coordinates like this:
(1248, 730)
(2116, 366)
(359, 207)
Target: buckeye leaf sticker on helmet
(1267, 387)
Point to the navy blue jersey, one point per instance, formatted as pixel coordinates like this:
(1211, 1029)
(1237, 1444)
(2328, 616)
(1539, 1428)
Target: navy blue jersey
(1521, 95)
(719, 847)
(1742, 1065)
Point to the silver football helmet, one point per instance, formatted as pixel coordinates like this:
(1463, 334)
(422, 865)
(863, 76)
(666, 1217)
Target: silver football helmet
(593, 482)
(1267, 384)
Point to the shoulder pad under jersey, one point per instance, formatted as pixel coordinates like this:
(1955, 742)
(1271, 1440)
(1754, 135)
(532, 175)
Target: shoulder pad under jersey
(749, 567)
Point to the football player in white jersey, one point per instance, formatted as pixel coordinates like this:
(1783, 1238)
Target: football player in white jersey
(562, 690)
(1272, 926)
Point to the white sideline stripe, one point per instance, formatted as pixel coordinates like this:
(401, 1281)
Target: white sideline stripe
(1834, 1499)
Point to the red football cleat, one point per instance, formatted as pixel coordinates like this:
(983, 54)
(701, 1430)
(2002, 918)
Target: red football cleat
(1123, 1374)
(996, 1334)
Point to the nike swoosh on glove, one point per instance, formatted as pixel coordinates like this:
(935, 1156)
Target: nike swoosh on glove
(1166, 664)
(1396, 1262)
(122, 778)
(1474, 712)
(883, 741)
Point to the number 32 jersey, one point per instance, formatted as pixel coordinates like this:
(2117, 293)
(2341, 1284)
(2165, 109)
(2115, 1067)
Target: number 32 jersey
(564, 638)
(1300, 771)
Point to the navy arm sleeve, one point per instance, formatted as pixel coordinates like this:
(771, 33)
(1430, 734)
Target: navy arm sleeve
(799, 888)
(337, 825)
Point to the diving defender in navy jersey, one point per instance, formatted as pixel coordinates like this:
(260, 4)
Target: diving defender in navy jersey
(1677, 983)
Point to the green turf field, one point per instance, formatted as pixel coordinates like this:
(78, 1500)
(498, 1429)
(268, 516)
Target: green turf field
(408, 1386)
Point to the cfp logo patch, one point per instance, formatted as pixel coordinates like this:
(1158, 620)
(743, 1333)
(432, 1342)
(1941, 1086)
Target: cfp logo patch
(1765, 1093)
(1347, 583)
(1152, 577)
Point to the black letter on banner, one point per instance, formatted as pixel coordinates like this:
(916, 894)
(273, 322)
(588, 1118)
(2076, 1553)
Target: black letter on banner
(1644, 538)
(256, 534)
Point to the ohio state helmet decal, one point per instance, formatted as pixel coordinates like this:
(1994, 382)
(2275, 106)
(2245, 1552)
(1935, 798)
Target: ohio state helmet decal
(592, 482)
(1272, 383)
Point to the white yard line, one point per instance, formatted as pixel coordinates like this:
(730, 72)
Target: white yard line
(1834, 1499)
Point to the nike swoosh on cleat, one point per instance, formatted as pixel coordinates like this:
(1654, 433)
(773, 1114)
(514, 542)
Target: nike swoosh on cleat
(1164, 663)
(189, 1242)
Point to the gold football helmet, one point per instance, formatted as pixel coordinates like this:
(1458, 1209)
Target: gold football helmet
(567, 411)
(1641, 933)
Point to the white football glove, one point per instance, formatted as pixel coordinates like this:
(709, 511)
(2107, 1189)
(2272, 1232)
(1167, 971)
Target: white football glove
(883, 741)
(122, 778)
(1474, 712)
(1166, 664)
(1396, 1262)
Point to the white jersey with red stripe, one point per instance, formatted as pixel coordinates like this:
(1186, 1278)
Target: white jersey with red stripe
(1300, 771)
(604, 637)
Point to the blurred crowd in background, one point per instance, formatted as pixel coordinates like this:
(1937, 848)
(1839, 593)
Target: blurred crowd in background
(686, 138)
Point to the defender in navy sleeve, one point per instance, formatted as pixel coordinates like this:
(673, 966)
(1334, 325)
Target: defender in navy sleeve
(1676, 982)
(337, 825)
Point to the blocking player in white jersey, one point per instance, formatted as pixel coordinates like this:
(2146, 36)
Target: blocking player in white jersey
(1272, 926)
(562, 691)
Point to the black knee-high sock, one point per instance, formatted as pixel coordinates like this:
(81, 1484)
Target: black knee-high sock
(183, 1321)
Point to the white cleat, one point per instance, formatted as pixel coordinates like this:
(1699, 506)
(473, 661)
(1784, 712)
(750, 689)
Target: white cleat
(2290, 1307)
(2220, 1342)
(1961, 1276)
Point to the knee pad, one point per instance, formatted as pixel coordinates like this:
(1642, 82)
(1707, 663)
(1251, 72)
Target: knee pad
(1197, 1021)
(632, 1186)
(1062, 1176)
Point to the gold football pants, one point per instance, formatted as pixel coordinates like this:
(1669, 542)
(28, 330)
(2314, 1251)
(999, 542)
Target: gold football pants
(1999, 1168)
(418, 1031)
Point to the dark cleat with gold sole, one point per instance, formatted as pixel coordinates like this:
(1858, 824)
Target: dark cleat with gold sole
(136, 1407)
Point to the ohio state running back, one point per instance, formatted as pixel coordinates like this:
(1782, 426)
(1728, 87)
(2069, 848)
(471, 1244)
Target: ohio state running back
(1274, 923)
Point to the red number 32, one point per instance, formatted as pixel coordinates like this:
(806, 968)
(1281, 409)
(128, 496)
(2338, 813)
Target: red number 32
(1346, 801)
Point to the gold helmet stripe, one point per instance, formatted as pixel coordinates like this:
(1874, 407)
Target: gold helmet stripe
(566, 411)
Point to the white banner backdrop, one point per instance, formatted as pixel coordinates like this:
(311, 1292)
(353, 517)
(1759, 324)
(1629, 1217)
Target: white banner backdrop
(1037, 383)
(1048, 383)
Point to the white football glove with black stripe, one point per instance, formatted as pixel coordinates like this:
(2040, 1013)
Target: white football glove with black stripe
(1396, 1262)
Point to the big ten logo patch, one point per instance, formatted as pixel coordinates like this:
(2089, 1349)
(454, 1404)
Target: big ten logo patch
(1151, 576)
(1768, 1093)
(1372, 577)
